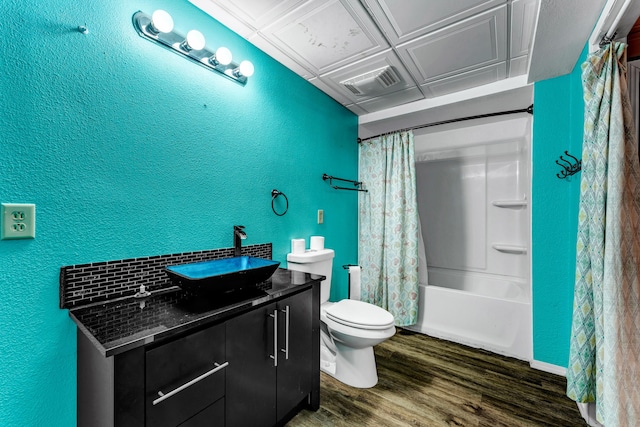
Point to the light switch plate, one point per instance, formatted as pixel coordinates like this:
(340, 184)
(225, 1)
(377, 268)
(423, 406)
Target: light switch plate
(320, 216)
(18, 220)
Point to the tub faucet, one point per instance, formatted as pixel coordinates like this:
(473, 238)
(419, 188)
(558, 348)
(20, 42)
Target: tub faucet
(238, 236)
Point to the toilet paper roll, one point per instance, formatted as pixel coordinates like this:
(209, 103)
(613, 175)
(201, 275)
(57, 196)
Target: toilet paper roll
(354, 282)
(317, 243)
(298, 277)
(298, 246)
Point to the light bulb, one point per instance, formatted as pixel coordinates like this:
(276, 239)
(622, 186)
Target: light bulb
(246, 68)
(161, 22)
(223, 56)
(194, 41)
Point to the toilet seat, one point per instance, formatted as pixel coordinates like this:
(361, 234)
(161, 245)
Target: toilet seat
(359, 314)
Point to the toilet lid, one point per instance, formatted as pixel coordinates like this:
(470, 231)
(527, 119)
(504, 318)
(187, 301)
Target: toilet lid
(360, 314)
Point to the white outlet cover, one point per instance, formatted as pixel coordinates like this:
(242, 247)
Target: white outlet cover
(18, 221)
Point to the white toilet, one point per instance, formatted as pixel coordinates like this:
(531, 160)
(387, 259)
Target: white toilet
(349, 328)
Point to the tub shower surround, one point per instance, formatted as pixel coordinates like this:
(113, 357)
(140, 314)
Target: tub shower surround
(474, 184)
(103, 281)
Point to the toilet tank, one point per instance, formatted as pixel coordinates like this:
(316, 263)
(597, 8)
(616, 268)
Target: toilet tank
(315, 262)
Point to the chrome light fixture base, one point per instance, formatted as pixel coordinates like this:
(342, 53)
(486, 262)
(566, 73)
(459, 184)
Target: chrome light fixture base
(174, 42)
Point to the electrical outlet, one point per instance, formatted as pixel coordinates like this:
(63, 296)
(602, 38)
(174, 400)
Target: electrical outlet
(18, 221)
(320, 216)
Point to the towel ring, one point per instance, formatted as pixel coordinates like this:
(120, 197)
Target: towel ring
(274, 195)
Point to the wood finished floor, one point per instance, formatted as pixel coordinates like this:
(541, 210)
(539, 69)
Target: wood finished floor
(425, 381)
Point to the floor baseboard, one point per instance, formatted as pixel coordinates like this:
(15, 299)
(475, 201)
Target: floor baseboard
(548, 367)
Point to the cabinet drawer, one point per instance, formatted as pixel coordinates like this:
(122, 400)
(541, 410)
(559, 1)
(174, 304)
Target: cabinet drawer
(212, 416)
(185, 376)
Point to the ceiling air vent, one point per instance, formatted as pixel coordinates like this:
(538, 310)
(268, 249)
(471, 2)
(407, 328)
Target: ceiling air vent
(373, 82)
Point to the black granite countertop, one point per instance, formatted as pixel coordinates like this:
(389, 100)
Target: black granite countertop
(120, 325)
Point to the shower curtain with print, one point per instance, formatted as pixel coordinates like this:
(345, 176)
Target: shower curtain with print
(604, 363)
(388, 225)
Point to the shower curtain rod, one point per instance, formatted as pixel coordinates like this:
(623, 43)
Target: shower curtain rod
(529, 110)
(610, 35)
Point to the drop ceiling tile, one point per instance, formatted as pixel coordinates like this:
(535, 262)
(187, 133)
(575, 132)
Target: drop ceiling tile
(337, 95)
(259, 13)
(356, 109)
(385, 58)
(406, 19)
(523, 20)
(437, 46)
(225, 17)
(518, 66)
(470, 44)
(271, 50)
(467, 80)
(324, 35)
(392, 100)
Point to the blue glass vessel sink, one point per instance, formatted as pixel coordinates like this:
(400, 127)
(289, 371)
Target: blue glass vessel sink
(222, 275)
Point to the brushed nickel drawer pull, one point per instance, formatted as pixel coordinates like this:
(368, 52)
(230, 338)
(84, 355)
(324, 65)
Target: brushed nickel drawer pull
(190, 383)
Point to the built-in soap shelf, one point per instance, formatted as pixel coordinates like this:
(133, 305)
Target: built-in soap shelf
(510, 249)
(513, 204)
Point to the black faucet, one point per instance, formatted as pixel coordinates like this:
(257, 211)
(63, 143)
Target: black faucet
(238, 236)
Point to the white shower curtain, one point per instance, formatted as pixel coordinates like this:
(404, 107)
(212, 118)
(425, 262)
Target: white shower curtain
(388, 219)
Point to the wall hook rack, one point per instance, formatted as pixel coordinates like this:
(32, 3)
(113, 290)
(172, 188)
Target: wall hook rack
(356, 184)
(569, 168)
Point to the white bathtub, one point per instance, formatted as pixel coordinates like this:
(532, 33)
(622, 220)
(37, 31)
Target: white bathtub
(480, 310)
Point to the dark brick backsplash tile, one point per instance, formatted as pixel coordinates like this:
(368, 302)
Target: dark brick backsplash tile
(105, 280)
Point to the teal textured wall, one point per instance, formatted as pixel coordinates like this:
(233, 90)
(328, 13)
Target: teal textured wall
(557, 126)
(128, 150)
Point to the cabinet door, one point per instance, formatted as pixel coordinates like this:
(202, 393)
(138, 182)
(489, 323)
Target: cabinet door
(251, 375)
(185, 376)
(295, 362)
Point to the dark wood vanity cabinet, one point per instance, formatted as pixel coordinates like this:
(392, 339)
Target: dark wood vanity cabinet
(294, 382)
(270, 351)
(185, 377)
(179, 383)
(255, 368)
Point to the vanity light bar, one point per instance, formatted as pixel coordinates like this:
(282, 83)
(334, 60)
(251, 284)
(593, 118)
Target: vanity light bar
(158, 28)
